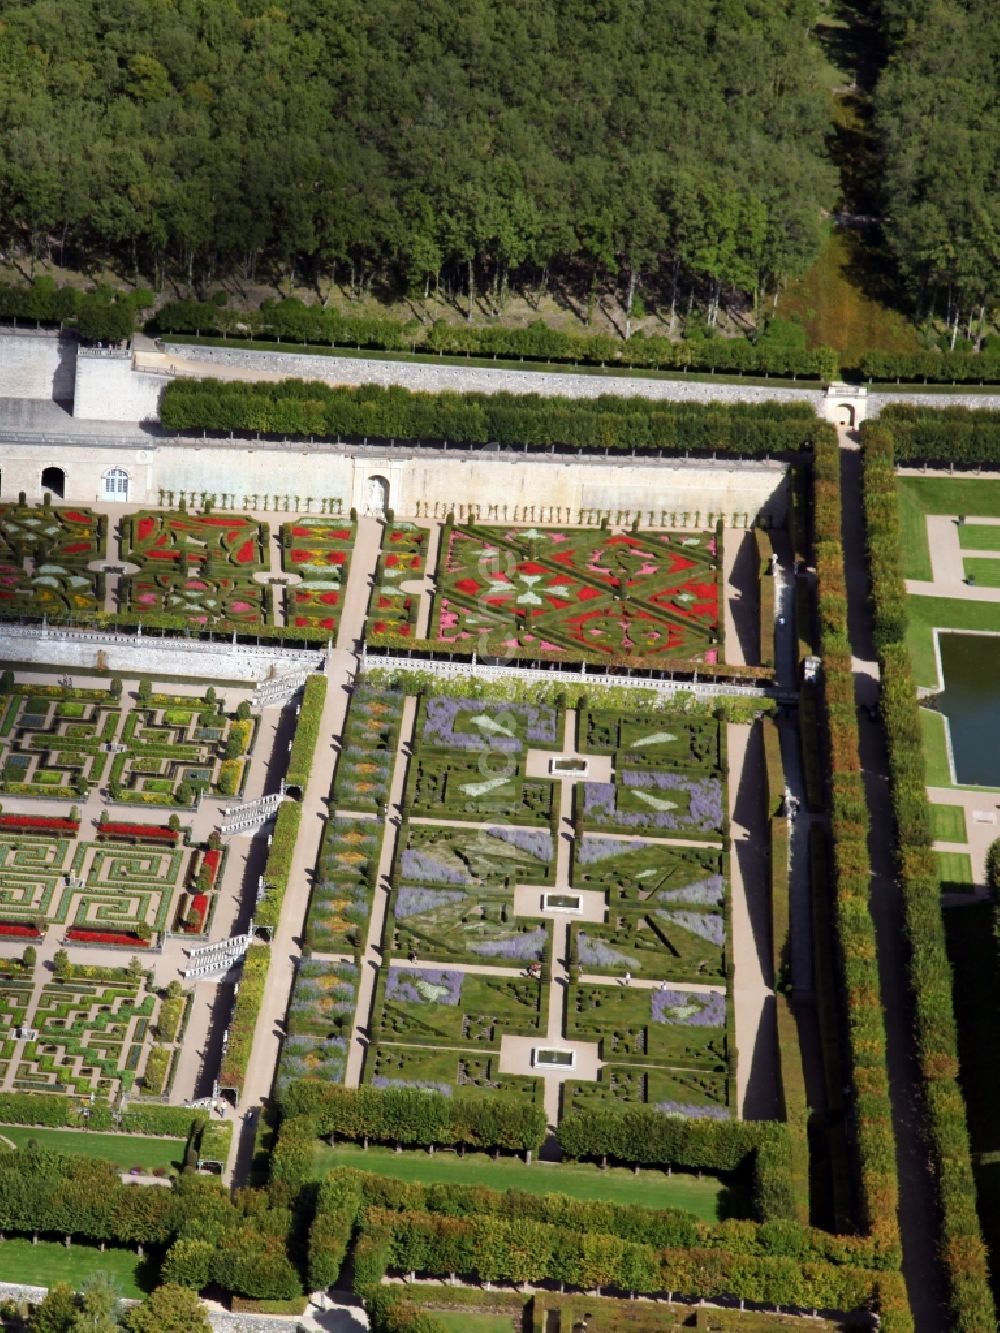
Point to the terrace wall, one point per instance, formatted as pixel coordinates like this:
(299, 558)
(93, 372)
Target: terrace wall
(287, 477)
(36, 365)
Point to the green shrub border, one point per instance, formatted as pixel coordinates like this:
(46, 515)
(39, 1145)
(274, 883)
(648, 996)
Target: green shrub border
(963, 1252)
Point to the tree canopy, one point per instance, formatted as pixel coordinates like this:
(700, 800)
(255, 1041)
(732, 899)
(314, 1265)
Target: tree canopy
(475, 139)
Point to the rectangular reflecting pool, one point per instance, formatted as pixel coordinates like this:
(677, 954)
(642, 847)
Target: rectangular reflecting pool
(970, 671)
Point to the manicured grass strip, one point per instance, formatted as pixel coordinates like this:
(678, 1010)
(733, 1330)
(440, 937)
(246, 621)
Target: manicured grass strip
(926, 613)
(985, 571)
(975, 496)
(935, 750)
(464, 1321)
(979, 536)
(913, 527)
(954, 871)
(706, 1197)
(948, 823)
(123, 1150)
(45, 1264)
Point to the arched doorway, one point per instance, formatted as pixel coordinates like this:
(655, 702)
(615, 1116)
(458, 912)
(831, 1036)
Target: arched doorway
(114, 485)
(846, 415)
(376, 496)
(54, 480)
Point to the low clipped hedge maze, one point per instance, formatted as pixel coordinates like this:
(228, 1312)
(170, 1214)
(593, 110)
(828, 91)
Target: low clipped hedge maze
(94, 1037)
(567, 593)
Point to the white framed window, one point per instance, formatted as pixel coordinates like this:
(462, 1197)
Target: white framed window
(116, 485)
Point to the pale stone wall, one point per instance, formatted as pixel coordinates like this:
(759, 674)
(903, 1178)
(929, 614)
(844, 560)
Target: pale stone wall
(36, 365)
(421, 482)
(108, 389)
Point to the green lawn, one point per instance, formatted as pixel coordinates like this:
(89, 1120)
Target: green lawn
(708, 1197)
(913, 531)
(948, 822)
(45, 1264)
(123, 1150)
(983, 569)
(935, 749)
(467, 1321)
(954, 871)
(979, 536)
(919, 496)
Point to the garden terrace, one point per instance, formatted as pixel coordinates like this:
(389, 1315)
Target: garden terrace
(572, 594)
(94, 1037)
(175, 750)
(60, 543)
(665, 1047)
(15, 996)
(403, 559)
(494, 859)
(196, 567)
(343, 883)
(441, 1029)
(318, 1027)
(368, 749)
(102, 892)
(55, 745)
(318, 550)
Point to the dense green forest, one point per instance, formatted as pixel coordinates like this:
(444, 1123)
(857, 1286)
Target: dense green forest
(653, 143)
(937, 118)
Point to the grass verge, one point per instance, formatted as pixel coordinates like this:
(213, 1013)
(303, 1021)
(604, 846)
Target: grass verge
(928, 613)
(979, 536)
(45, 1264)
(984, 570)
(954, 871)
(935, 749)
(707, 1197)
(948, 823)
(123, 1150)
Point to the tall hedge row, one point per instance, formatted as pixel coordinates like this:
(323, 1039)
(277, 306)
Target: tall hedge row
(496, 1235)
(95, 316)
(933, 367)
(304, 743)
(243, 1023)
(876, 1145)
(291, 408)
(962, 1250)
(415, 1117)
(322, 326)
(920, 434)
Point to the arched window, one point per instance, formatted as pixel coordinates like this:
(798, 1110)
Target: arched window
(116, 485)
(54, 480)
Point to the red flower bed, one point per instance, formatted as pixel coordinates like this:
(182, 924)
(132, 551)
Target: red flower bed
(75, 516)
(246, 553)
(150, 832)
(21, 931)
(327, 622)
(220, 522)
(41, 822)
(199, 905)
(212, 860)
(76, 548)
(143, 528)
(117, 939)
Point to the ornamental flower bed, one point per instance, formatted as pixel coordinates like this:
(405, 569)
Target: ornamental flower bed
(115, 939)
(669, 802)
(481, 725)
(39, 823)
(53, 589)
(319, 551)
(112, 831)
(171, 538)
(393, 612)
(20, 930)
(210, 863)
(46, 533)
(194, 916)
(571, 593)
(199, 598)
(423, 985)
